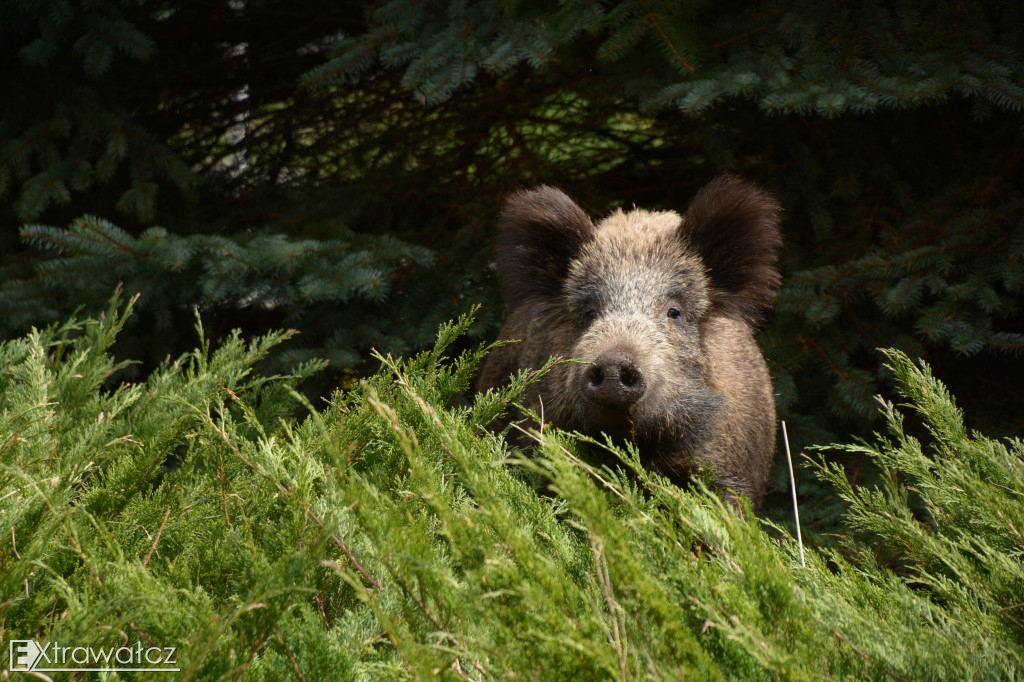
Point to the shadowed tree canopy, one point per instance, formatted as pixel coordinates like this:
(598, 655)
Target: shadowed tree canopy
(337, 168)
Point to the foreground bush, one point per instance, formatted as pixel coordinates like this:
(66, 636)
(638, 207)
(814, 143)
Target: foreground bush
(388, 535)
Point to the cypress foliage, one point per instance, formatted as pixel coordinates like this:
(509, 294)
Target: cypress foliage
(388, 535)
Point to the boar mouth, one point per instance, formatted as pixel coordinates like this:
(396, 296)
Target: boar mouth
(633, 422)
(614, 421)
(670, 444)
(664, 449)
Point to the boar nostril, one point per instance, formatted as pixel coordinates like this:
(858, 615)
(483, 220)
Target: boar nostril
(630, 377)
(613, 381)
(594, 378)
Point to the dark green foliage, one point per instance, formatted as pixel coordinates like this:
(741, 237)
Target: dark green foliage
(295, 282)
(76, 134)
(386, 135)
(390, 536)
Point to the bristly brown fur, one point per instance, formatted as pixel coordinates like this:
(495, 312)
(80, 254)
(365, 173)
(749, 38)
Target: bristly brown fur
(734, 226)
(660, 308)
(541, 230)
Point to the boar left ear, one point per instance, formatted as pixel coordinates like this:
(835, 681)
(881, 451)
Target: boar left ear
(734, 226)
(541, 231)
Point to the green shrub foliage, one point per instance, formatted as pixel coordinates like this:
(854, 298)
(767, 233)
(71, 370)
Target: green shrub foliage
(387, 534)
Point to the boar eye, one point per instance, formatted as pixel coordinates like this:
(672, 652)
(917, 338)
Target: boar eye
(674, 313)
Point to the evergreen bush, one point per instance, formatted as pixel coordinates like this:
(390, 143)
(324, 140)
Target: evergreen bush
(387, 534)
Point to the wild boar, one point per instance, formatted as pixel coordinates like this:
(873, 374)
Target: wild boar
(662, 308)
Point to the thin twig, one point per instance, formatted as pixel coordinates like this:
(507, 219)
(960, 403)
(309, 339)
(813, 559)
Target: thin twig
(295, 664)
(864, 655)
(145, 561)
(348, 552)
(792, 484)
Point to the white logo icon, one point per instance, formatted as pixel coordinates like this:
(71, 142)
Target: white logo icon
(24, 654)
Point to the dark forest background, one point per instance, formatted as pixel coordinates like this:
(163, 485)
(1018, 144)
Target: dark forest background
(336, 168)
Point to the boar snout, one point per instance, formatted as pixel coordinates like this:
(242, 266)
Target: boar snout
(614, 380)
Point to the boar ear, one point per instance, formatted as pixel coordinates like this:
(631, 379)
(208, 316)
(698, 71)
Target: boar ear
(734, 226)
(541, 231)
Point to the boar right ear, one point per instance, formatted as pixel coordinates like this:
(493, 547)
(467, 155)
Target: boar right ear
(541, 231)
(734, 226)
